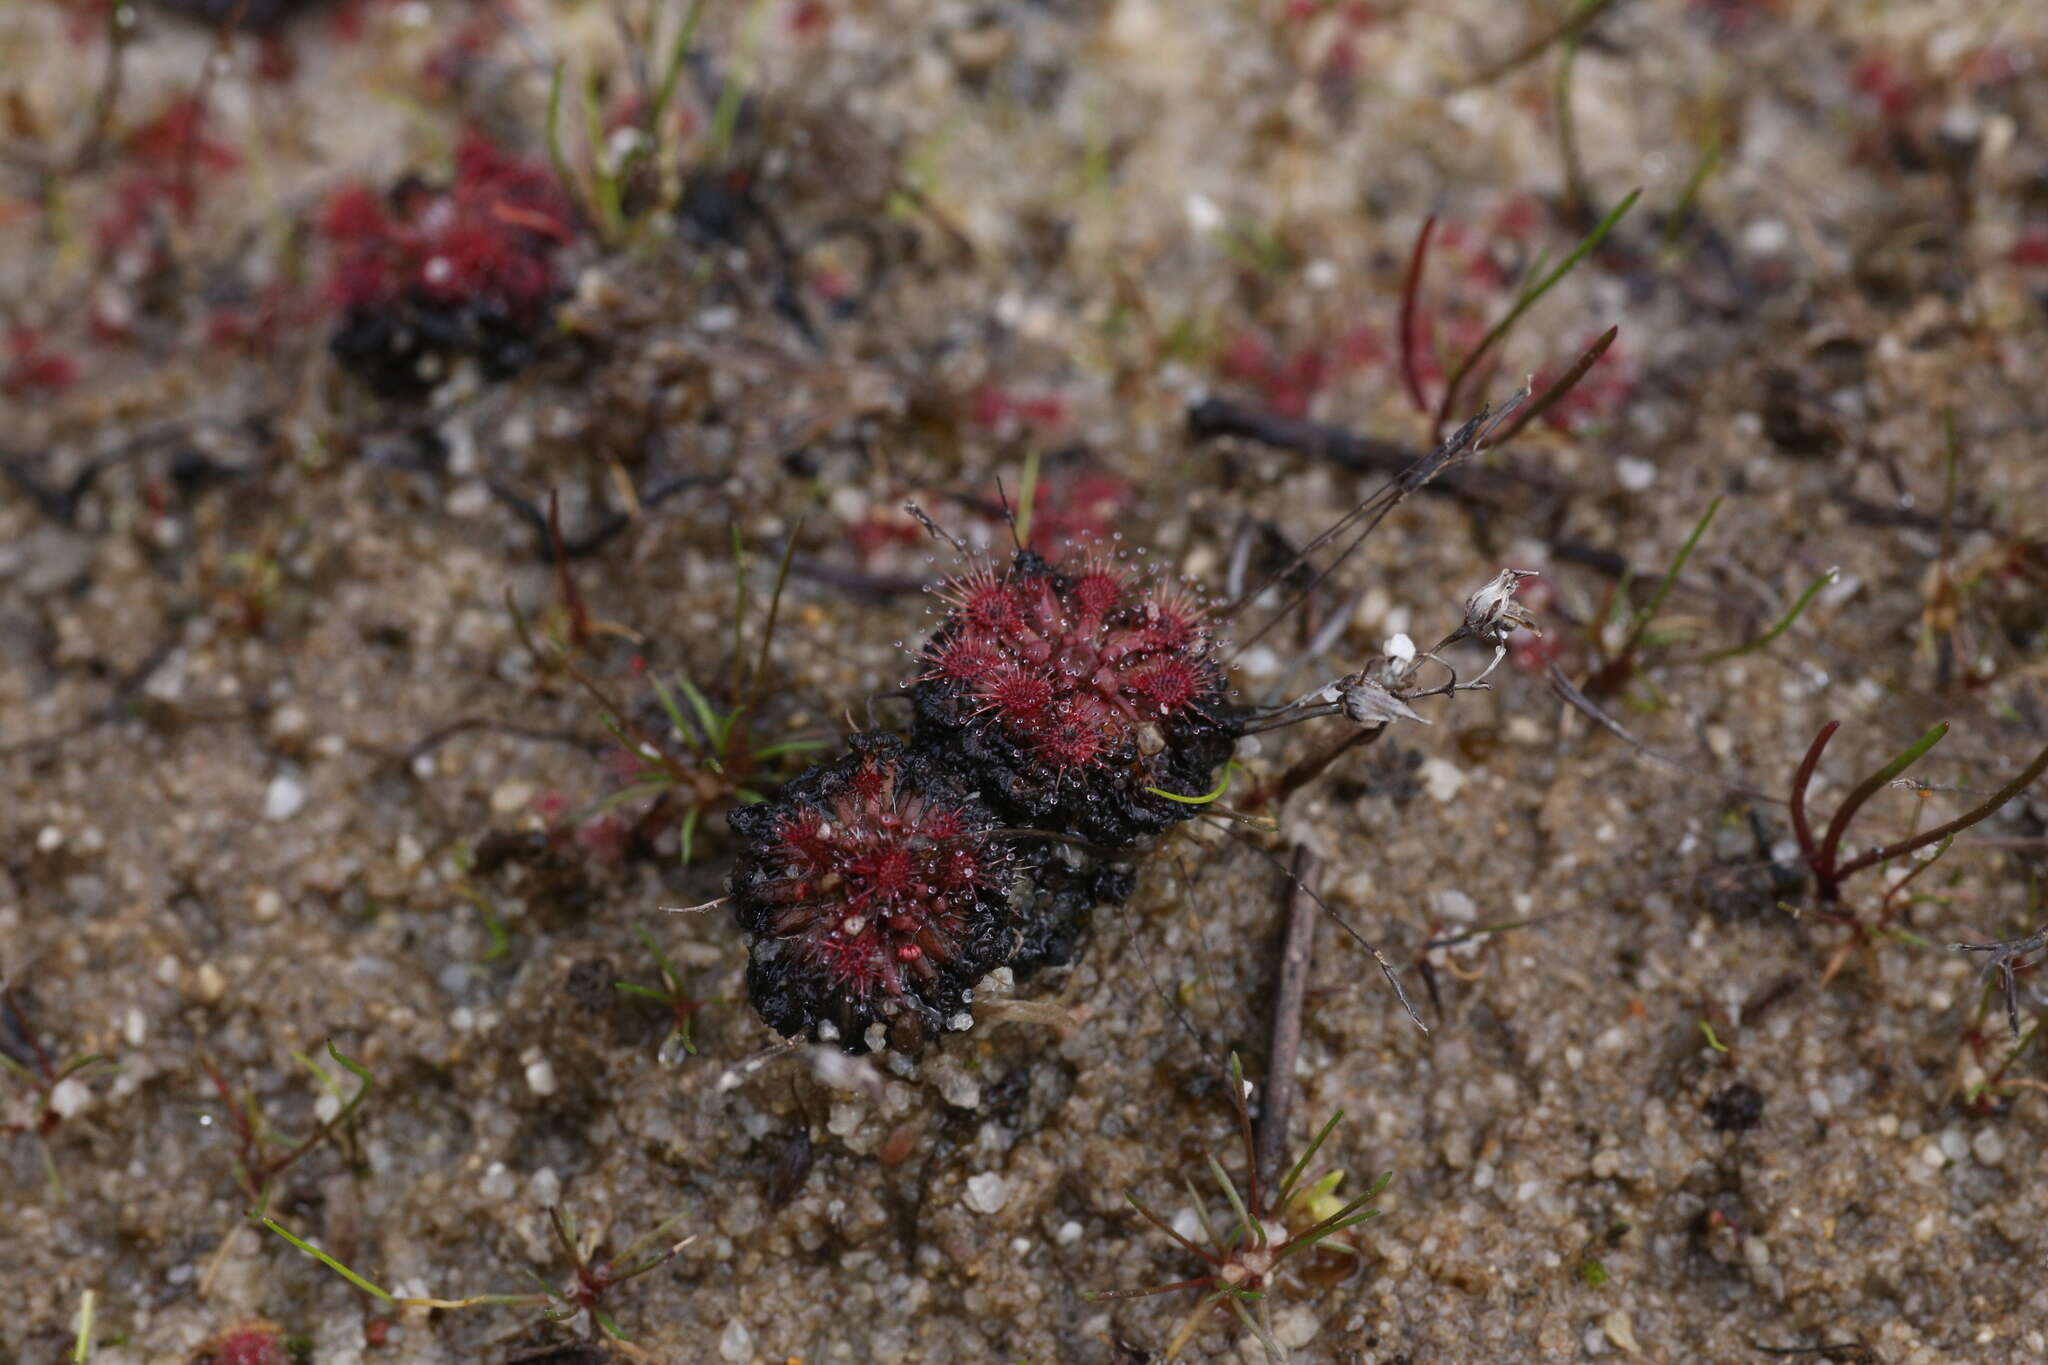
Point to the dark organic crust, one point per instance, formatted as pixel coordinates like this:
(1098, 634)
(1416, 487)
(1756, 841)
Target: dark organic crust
(255, 15)
(1106, 804)
(793, 1000)
(1056, 901)
(383, 347)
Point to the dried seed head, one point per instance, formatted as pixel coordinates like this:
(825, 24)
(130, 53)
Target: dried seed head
(1366, 701)
(1068, 691)
(1492, 614)
(872, 890)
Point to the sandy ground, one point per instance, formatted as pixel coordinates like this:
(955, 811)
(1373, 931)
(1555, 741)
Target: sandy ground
(279, 769)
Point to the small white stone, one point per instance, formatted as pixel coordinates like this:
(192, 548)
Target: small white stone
(1068, 1234)
(468, 499)
(498, 1182)
(1442, 781)
(134, 1026)
(1988, 1146)
(1455, 905)
(267, 905)
(285, 796)
(1620, 1331)
(1296, 1326)
(510, 798)
(987, 1192)
(546, 1187)
(49, 839)
(1260, 662)
(208, 984)
(1766, 237)
(540, 1074)
(1634, 475)
(958, 1089)
(69, 1096)
(735, 1343)
(843, 1120)
(1934, 1156)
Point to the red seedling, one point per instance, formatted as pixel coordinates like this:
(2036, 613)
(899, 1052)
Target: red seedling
(873, 890)
(427, 273)
(1075, 694)
(247, 1343)
(32, 367)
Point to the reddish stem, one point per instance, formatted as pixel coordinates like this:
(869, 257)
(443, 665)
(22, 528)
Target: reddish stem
(1824, 875)
(1411, 287)
(1563, 386)
(1970, 817)
(579, 615)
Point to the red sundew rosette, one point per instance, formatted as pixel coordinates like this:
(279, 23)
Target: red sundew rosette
(1072, 691)
(873, 890)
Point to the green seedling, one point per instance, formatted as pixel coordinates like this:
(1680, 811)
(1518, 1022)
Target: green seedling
(712, 755)
(1964, 597)
(1824, 855)
(1624, 661)
(1984, 1097)
(675, 997)
(1244, 1260)
(1539, 283)
(604, 195)
(584, 1293)
(261, 1155)
(81, 1349)
(42, 1080)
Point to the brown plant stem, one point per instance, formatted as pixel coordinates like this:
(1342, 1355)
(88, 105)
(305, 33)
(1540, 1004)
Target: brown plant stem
(1297, 955)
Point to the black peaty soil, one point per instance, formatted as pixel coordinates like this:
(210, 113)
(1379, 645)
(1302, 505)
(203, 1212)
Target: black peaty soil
(1055, 902)
(403, 350)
